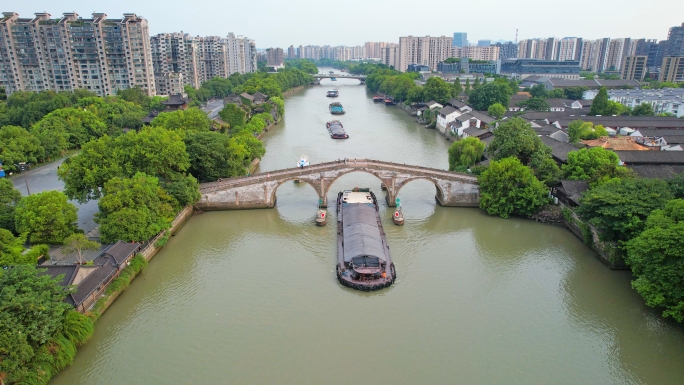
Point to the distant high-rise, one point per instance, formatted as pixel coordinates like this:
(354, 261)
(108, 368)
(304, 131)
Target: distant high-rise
(424, 50)
(460, 39)
(672, 69)
(274, 57)
(291, 52)
(97, 54)
(634, 67)
(675, 42)
(507, 50)
(484, 43)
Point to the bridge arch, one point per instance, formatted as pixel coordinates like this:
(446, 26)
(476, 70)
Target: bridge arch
(407, 181)
(331, 182)
(301, 179)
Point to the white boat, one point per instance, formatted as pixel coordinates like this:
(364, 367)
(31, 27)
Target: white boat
(303, 162)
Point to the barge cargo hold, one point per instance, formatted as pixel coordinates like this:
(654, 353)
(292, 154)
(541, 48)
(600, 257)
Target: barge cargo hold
(363, 257)
(336, 108)
(336, 130)
(332, 94)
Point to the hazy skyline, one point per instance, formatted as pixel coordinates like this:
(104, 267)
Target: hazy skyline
(354, 22)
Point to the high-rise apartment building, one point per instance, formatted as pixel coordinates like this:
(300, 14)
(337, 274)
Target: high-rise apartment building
(617, 50)
(507, 50)
(423, 50)
(389, 55)
(274, 57)
(460, 39)
(484, 43)
(672, 69)
(241, 53)
(675, 42)
(98, 54)
(489, 53)
(291, 52)
(174, 53)
(594, 55)
(569, 48)
(634, 67)
(374, 49)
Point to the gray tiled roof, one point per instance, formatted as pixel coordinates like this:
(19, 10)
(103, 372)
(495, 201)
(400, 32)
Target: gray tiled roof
(573, 189)
(447, 110)
(636, 122)
(651, 157)
(660, 172)
(121, 251)
(559, 150)
(482, 117)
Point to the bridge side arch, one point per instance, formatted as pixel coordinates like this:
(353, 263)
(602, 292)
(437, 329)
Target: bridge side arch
(430, 179)
(304, 179)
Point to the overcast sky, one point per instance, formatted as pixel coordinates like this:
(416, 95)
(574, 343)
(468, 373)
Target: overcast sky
(279, 23)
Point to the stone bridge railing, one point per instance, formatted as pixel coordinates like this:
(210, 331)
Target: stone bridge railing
(258, 191)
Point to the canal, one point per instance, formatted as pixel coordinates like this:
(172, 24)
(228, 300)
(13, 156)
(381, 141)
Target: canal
(250, 297)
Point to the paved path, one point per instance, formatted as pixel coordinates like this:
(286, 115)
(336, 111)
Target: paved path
(212, 108)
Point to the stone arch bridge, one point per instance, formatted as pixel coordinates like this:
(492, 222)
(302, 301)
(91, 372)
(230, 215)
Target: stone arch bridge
(318, 77)
(259, 191)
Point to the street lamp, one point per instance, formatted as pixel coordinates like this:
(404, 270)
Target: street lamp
(23, 167)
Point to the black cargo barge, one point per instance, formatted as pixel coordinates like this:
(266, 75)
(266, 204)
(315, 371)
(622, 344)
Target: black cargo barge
(363, 258)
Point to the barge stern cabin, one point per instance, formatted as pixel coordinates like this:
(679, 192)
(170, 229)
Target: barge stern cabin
(363, 258)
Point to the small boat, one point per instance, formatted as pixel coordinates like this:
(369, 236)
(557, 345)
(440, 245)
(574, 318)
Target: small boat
(333, 94)
(378, 99)
(303, 162)
(336, 130)
(336, 108)
(363, 257)
(389, 102)
(333, 79)
(331, 72)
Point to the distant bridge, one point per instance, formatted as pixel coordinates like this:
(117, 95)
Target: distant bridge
(318, 77)
(259, 191)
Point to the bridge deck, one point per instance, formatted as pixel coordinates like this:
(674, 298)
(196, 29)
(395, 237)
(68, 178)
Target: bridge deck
(335, 165)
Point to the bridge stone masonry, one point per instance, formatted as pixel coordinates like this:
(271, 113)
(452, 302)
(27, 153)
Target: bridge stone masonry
(259, 191)
(318, 77)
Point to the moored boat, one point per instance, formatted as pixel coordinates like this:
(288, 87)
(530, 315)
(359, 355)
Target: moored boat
(363, 257)
(336, 108)
(333, 79)
(336, 130)
(378, 98)
(332, 94)
(331, 72)
(303, 162)
(389, 102)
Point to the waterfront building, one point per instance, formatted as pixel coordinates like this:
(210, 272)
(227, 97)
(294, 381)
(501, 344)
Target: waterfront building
(274, 57)
(672, 69)
(460, 39)
(634, 67)
(425, 50)
(98, 54)
(523, 68)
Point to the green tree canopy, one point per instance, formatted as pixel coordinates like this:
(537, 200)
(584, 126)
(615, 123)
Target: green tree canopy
(192, 119)
(437, 89)
(17, 145)
(458, 88)
(233, 115)
(575, 93)
(508, 188)
(465, 153)
(134, 209)
(538, 91)
(11, 248)
(600, 105)
(79, 243)
(213, 156)
(656, 257)
(496, 110)
(488, 94)
(46, 217)
(515, 137)
(619, 207)
(536, 104)
(579, 129)
(32, 314)
(643, 109)
(596, 165)
(9, 198)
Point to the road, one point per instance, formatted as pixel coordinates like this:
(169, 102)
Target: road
(44, 178)
(212, 108)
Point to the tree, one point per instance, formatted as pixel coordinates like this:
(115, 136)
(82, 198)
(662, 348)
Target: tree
(437, 89)
(538, 91)
(515, 137)
(46, 217)
(488, 94)
(135, 95)
(547, 171)
(596, 165)
(656, 257)
(644, 109)
(11, 248)
(676, 184)
(536, 104)
(496, 110)
(184, 189)
(192, 119)
(600, 104)
(465, 152)
(575, 93)
(619, 207)
(212, 156)
(17, 145)
(134, 209)
(233, 115)
(78, 243)
(32, 314)
(508, 188)
(579, 129)
(467, 88)
(9, 198)
(458, 88)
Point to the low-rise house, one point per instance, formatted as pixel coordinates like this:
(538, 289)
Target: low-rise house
(651, 158)
(618, 143)
(570, 191)
(667, 100)
(247, 98)
(477, 133)
(559, 150)
(619, 122)
(259, 98)
(445, 116)
(90, 281)
(472, 119)
(147, 120)
(120, 254)
(433, 105)
(232, 99)
(459, 105)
